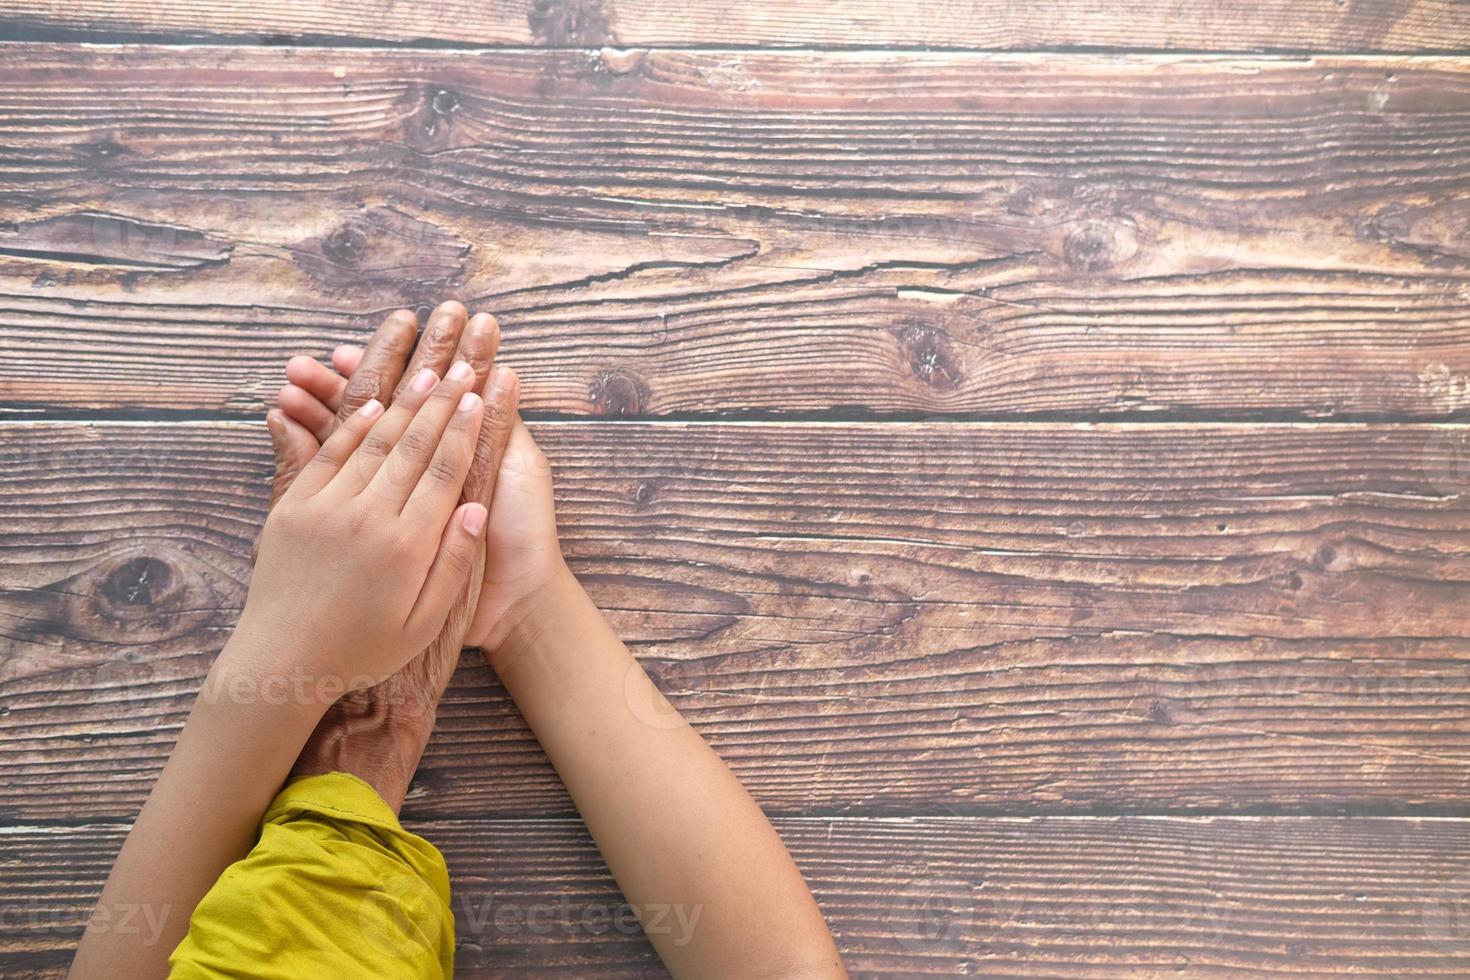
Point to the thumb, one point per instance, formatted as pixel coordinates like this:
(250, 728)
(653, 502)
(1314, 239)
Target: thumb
(293, 447)
(459, 551)
(524, 497)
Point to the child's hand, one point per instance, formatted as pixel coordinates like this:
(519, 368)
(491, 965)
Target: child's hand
(365, 553)
(523, 556)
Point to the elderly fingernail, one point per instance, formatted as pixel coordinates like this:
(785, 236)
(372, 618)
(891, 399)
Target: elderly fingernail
(501, 379)
(424, 381)
(461, 371)
(275, 427)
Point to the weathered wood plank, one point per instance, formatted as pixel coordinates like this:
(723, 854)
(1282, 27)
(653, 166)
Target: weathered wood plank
(863, 618)
(683, 232)
(1053, 897)
(1208, 25)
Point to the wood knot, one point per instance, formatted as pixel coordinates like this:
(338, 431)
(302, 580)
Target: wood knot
(569, 23)
(103, 151)
(1158, 713)
(1096, 245)
(1436, 233)
(345, 246)
(1024, 200)
(1331, 558)
(621, 61)
(428, 114)
(138, 582)
(931, 356)
(617, 394)
(386, 245)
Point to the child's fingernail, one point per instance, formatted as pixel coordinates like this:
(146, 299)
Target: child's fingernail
(371, 408)
(461, 371)
(474, 519)
(467, 402)
(424, 380)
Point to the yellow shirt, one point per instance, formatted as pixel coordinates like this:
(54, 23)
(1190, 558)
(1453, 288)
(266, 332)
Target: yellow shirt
(335, 888)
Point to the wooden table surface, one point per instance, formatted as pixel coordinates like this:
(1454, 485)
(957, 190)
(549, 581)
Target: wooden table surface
(1027, 439)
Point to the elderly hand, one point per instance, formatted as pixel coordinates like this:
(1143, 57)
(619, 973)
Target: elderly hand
(379, 733)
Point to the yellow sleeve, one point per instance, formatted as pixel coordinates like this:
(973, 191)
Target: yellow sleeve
(335, 888)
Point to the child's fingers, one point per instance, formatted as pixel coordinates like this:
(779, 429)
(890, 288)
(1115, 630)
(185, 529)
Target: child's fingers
(315, 378)
(460, 547)
(377, 371)
(307, 410)
(396, 479)
(435, 350)
(346, 358)
(335, 452)
(437, 492)
(385, 435)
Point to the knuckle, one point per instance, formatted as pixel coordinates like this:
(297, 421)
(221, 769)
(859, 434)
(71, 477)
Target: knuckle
(500, 415)
(446, 392)
(458, 559)
(365, 383)
(415, 443)
(434, 345)
(375, 444)
(329, 455)
(447, 467)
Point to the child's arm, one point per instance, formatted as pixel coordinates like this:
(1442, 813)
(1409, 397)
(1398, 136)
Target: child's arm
(696, 858)
(358, 567)
(693, 853)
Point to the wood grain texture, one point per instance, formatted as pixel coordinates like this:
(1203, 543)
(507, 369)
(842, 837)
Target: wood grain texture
(1210, 25)
(1056, 897)
(674, 233)
(958, 618)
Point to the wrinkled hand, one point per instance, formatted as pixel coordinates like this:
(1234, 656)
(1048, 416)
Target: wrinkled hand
(379, 733)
